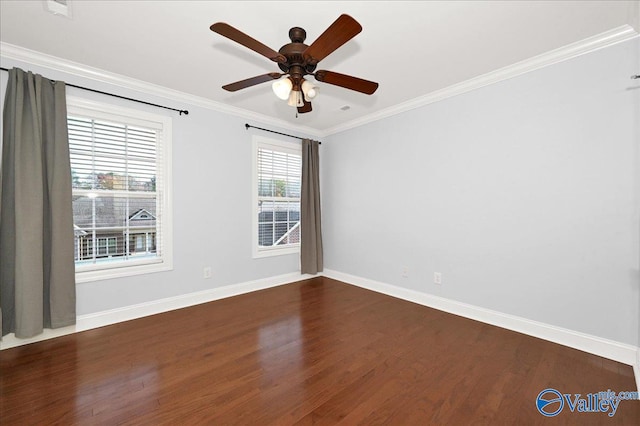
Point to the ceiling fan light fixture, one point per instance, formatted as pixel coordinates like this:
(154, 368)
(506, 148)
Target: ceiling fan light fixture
(282, 88)
(309, 90)
(295, 99)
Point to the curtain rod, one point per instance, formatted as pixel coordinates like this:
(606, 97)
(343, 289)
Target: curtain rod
(247, 126)
(181, 111)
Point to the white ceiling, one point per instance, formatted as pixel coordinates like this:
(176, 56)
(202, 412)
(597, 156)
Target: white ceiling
(411, 48)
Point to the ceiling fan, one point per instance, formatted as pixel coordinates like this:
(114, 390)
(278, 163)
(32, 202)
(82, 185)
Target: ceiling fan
(296, 60)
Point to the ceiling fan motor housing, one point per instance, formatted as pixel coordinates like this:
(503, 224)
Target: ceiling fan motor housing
(297, 65)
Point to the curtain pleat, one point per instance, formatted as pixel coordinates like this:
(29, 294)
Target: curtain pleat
(311, 258)
(37, 273)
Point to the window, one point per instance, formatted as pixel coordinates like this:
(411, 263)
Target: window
(107, 246)
(120, 171)
(277, 181)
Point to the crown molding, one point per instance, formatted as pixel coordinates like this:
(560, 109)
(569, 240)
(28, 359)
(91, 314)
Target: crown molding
(588, 45)
(32, 57)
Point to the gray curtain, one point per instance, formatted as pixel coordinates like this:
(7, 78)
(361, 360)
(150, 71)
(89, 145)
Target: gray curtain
(310, 223)
(37, 276)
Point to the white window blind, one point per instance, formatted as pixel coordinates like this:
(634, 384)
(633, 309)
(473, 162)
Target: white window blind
(279, 177)
(118, 181)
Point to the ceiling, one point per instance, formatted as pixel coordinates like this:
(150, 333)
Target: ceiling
(411, 49)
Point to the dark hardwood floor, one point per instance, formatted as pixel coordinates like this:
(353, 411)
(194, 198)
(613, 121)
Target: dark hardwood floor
(314, 352)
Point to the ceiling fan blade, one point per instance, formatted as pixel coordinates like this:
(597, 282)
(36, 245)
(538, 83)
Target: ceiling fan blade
(238, 36)
(346, 81)
(242, 84)
(341, 31)
(305, 108)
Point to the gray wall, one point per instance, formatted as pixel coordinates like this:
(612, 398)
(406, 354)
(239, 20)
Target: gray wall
(211, 209)
(523, 194)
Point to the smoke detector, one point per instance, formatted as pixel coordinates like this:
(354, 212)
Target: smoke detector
(58, 7)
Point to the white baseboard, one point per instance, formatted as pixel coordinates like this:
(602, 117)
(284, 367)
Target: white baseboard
(621, 352)
(113, 316)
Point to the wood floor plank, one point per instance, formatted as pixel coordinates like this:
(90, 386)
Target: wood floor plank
(314, 352)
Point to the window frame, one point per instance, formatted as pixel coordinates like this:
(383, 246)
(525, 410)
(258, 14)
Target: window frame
(164, 262)
(258, 142)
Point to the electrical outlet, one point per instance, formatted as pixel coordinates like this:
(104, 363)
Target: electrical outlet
(206, 272)
(437, 278)
(405, 272)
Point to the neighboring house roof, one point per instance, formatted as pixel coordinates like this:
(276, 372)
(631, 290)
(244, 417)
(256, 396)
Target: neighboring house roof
(142, 214)
(114, 212)
(294, 235)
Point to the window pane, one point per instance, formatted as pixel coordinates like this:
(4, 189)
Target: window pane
(278, 223)
(114, 171)
(102, 246)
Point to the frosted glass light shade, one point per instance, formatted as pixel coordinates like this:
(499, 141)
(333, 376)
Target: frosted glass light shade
(310, 90)
(295, 98)
(282, 88)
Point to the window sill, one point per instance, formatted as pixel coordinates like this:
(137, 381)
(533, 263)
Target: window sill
(89, 275)
(269, 252)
